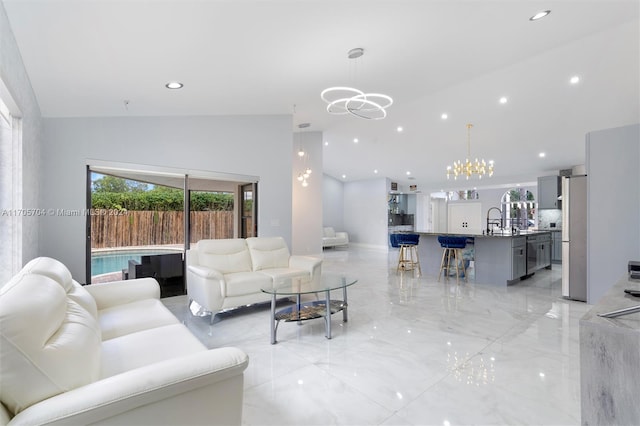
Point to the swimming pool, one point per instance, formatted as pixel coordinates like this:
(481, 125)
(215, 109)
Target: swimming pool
(104, 263)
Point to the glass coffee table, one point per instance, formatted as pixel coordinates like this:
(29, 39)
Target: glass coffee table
(321, 308)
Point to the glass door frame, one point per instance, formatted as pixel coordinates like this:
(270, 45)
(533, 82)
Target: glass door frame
(127, 170)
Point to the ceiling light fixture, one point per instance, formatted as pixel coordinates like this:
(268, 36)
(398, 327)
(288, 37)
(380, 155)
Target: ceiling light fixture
(174, 85)
(444, 116)
(468, 168)
(503, 100)
(304, 175)
(540, 15)
(348, 100)
(574, 80)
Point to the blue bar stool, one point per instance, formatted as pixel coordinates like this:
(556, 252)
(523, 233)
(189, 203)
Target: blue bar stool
(408, 259)
(452, 248)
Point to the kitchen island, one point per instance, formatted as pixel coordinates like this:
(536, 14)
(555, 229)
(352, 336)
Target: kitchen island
(501, 258)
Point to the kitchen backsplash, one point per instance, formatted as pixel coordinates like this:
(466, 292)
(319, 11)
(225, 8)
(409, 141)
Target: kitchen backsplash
(547, 217)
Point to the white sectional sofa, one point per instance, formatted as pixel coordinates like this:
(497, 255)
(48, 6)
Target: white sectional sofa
(228, 273)
(331, 238)
(106, 354)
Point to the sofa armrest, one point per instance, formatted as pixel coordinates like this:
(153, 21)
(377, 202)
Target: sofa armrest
(121, 292)
(307, 263)
(343, 236)
(204, 272)
(207, 287)
(201, 388)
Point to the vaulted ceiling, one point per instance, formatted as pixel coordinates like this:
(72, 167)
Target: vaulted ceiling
(459, 57)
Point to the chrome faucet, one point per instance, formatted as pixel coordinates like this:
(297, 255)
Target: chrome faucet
(493, 222)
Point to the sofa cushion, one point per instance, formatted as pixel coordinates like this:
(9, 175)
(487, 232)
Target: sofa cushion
(268, 252)
(132, 317)
(49, 343)
(225, 256)
(242, 283)
(146, 347)
(329, 232)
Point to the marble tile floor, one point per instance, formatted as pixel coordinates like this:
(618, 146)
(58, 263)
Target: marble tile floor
(414, 352)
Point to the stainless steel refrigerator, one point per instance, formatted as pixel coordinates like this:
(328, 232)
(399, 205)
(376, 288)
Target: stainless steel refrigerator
(574, 237)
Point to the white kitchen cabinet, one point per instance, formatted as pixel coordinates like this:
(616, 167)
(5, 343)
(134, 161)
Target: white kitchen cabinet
(464, 218)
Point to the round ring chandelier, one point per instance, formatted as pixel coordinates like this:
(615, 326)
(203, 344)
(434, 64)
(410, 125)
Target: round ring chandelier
(370, 106)
(348, 100)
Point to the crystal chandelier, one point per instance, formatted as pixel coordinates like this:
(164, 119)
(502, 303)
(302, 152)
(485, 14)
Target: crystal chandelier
(347, 100)
(470, 168)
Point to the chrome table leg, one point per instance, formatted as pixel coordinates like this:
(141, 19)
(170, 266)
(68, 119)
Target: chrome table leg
(327, 316)
(273, 319)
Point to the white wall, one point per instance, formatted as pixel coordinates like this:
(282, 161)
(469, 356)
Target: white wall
(332, 203)
(365, 212)
(18, 87)
(307, 201)
(613, 203)
(248, 145)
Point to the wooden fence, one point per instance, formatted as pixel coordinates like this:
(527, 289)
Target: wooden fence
(143, 228)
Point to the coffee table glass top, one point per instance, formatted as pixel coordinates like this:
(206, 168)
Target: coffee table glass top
(294, 286)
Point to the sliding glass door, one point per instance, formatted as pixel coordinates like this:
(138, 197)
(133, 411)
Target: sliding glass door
(248, 197)
(138, 213)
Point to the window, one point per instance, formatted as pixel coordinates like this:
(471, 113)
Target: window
(10, 191)
(518, 208)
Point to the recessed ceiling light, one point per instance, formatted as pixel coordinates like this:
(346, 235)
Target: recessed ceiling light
(326, 143)
(444, 116)
(344, 176)
(408, 173)
(375, 171)
(574, 80)
(503, 100)
(542, 155)
(540, 15)
(355, 140)
(399, 129)
(174, 85)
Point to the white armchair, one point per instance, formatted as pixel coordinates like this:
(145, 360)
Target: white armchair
(331, 238)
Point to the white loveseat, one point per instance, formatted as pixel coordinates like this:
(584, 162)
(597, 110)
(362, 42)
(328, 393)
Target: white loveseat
(106, 354)
(331, 238)
(228, 273)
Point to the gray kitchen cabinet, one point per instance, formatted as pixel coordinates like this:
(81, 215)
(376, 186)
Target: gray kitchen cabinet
(556, 249)
(500, 259)
(538, 252)
(544, 256)
(518, 258)
(549, 189)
